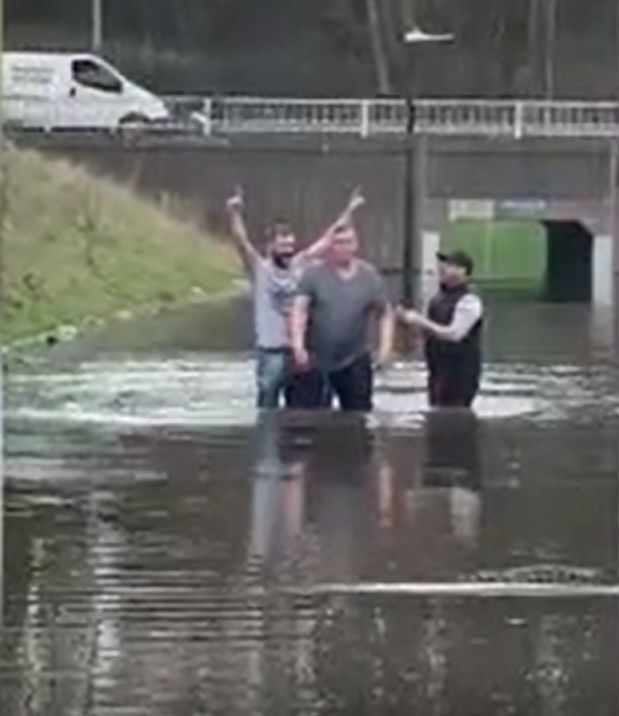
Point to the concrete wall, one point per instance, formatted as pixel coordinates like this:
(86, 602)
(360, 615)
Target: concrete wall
(307, 181)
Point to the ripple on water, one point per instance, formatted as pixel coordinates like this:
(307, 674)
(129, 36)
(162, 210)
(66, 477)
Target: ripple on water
(206, 390)
(139, 600)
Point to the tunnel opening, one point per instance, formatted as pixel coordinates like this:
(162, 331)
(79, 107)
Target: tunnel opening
(568, 276)
(509, 255)
(543, 260)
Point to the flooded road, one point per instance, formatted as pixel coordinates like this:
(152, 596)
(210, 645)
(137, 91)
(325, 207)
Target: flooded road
(171, 553)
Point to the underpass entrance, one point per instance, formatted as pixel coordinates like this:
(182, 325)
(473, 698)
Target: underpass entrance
(568, 277)
(547, 260)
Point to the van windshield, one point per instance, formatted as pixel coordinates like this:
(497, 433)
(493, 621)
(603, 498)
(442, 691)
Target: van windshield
(90, 74)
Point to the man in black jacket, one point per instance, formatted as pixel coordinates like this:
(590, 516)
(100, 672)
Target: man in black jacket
(452, 326)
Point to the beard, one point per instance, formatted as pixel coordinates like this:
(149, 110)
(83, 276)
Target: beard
(282, 260)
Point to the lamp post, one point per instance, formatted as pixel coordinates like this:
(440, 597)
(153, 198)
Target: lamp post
(3, 218)
(412, 38)
(96, 26)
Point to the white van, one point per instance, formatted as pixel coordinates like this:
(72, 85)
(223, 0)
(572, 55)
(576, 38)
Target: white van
(72, 91)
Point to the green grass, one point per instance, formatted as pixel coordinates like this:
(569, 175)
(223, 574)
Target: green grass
(506, 253)
(78, 247)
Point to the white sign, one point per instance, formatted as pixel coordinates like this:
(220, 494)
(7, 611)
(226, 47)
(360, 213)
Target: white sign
(471, 209)
(521, 207)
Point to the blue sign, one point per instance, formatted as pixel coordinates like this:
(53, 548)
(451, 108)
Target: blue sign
(521, 207)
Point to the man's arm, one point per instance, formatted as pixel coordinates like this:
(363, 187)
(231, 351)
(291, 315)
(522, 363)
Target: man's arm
(468, 311)
(321, 245)
(385, 334)
(385, 314)
(298, 328)
(238, 230)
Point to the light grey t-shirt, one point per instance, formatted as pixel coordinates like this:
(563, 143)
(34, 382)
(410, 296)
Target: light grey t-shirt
(340, 312)
(274, 289)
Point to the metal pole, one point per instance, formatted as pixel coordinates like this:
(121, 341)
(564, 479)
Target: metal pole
(410, 200)
(3, 209)
(96, 26)
(615, 186)
(415, 36)
(613, 204)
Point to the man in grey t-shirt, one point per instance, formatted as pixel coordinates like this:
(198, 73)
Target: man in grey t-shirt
(274, 277)
(336, 303)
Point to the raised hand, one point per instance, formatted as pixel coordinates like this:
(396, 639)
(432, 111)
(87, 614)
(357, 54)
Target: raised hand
(356, 200)
(236, 202)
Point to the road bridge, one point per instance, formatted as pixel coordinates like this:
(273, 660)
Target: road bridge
(305, 177)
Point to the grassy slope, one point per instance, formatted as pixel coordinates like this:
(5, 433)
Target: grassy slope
(77, 247)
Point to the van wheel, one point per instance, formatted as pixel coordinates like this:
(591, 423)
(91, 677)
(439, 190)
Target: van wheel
(131, 126)
(132, 118)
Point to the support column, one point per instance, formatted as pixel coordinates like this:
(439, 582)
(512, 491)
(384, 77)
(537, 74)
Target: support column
(428, 285)
(424, 236)
(614, 234)
(613, 228)
(603, 276)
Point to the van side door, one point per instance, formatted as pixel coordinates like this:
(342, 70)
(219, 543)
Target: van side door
(27, 91)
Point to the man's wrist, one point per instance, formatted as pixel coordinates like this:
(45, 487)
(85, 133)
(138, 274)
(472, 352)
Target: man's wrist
(427, 326)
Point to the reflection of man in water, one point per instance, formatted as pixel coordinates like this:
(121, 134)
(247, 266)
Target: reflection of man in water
(310, 494)
(277, 490)
(274, 278)
(452, 461)
(340, 466)
(453, 333)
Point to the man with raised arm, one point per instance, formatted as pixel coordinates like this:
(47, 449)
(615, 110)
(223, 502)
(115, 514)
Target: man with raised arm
(274, 277)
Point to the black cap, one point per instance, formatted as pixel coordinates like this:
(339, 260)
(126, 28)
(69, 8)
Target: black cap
(457, 258)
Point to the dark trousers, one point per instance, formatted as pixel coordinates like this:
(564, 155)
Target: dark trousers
(452, 388)
(352, 385)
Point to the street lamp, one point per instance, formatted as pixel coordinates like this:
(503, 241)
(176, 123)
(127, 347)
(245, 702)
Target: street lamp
(96, 26)
(413, 37)
(3, 223)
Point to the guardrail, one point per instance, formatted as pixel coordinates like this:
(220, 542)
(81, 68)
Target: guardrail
(439, 117)
(228, 116)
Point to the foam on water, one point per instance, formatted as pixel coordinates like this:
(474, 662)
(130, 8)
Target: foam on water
(215, 390)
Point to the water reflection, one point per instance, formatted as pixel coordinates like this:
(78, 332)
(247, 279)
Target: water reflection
(453, 464)
(167, 597)
(167, 546)
(320, 490)
(334, 501)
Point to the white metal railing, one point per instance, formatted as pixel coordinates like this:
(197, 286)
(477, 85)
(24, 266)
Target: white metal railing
(599, 119)
(228, 116)
(508, 118)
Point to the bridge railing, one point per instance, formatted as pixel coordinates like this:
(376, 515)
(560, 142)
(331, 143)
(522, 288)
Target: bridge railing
(228, 116)
(447, 117)
(599, 119)
(232, 115)
(454, 117)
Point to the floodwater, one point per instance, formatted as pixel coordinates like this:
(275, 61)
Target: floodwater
(169, 553)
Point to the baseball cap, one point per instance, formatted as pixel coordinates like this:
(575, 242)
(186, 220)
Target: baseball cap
(457, 258)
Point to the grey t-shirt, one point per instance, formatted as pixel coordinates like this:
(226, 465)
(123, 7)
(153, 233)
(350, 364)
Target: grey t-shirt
(273, 291)
(340, 312)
